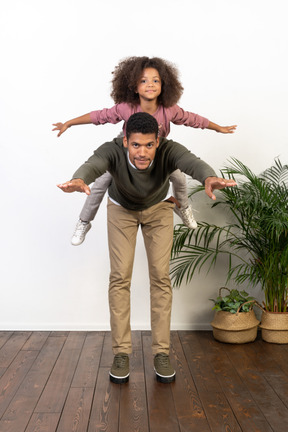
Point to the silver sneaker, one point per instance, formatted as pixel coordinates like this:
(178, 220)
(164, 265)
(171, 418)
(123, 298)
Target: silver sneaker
(186, 215)
(80, 232)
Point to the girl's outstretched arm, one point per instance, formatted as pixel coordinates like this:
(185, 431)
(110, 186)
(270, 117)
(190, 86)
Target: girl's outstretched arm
(62, 127)
(222, 129)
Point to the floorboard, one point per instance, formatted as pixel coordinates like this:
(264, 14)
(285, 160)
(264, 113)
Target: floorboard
(59, 382)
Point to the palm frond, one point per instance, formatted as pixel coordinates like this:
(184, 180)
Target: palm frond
(255, 240)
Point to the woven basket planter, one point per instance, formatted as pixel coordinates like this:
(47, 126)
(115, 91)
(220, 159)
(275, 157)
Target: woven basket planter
(236, 328)
(274, 327)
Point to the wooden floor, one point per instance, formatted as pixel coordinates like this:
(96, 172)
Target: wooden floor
(58, 382)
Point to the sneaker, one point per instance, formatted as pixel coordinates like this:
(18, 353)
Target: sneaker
(186, 215)
(164, 371)
(80, 232)
(119, 372)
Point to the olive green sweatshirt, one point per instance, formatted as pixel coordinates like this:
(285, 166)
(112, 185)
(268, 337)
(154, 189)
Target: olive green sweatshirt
(139, 189)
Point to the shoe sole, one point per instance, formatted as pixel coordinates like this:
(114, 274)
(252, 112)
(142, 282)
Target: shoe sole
(117, 380)
(165, 380)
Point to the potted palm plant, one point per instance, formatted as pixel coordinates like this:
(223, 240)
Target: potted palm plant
(234, 320)
(255, 241)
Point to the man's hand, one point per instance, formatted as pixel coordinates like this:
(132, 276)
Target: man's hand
(212, 183)
(62, 127)
(75, 185)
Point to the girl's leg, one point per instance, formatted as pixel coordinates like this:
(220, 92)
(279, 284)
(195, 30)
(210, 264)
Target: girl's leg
(94, 200)
(179, 187)
(90, 208)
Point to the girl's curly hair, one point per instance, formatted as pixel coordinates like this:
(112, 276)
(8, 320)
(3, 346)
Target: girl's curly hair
(128, 72)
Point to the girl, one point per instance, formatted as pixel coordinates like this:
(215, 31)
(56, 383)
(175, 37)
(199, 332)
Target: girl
(150, 85)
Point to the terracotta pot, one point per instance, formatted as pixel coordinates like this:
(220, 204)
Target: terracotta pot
(274, 327)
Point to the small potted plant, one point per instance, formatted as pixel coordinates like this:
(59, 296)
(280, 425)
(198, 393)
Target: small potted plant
(234, 320)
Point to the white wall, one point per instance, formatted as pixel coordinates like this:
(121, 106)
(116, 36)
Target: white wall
(56, 63)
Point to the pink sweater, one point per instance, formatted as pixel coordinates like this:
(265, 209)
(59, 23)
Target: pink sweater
(164, 116)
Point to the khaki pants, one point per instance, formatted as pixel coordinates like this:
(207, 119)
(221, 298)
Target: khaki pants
(157, 230)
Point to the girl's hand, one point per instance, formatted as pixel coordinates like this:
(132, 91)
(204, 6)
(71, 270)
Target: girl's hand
(75, 185)
(221, 129)
(227, 129)
(61, 127)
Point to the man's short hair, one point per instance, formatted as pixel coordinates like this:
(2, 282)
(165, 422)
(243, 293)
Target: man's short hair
(141, 123)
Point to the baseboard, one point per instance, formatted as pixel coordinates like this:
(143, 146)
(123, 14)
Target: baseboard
(92, 327)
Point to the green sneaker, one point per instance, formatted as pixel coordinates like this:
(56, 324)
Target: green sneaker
(164, 371)
(119, 372)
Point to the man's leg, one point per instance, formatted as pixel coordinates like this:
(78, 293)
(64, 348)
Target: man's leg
(122, 232)
(157, 228)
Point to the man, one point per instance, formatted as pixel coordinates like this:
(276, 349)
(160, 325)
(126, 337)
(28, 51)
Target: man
(140, 165)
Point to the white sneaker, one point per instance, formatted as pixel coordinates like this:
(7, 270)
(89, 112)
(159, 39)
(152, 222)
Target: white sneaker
(187, 216)
(80, 232)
